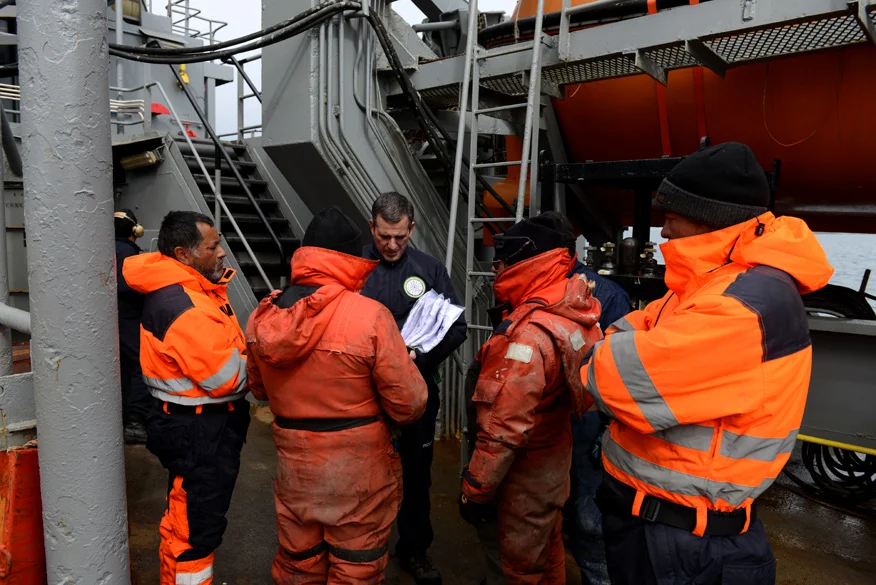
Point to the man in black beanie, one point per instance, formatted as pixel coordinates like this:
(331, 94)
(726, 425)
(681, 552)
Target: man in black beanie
(526, 387)
(706, 387)
(337, 373)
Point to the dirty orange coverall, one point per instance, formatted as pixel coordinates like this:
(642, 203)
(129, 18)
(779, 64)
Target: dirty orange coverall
(526, 390)
(337, 374)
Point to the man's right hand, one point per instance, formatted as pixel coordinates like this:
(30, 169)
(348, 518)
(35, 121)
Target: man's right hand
(474, 513)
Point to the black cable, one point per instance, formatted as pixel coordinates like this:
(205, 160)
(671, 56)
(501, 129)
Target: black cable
(311, 20)
(225, 44)
(9, 70)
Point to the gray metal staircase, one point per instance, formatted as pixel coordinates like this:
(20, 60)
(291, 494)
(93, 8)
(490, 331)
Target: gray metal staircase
(244, 214)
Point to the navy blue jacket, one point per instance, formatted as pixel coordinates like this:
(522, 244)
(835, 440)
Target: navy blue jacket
(614, 299)
(130, 301)
(398, 285)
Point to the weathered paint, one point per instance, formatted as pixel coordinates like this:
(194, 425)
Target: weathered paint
(68, 204)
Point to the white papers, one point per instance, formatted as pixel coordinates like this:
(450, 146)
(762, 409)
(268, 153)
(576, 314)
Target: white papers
(429, 321)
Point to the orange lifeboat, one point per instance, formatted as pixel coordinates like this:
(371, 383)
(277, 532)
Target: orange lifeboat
(812, 112)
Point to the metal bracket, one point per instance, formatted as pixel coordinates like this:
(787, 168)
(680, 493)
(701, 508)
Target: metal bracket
(647, 65)
(705, 55)
(564, 46)
(748, 9)
(861, 9)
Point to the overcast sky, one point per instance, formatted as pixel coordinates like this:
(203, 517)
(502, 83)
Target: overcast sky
(244, 16)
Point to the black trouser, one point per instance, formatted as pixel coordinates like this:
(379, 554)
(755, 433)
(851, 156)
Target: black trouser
(136, 400)
(204, 450)
(639, 552)
(416, 447)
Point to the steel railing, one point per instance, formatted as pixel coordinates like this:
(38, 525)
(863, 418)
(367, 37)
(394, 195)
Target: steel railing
(213, 186)
(186, 14)
(243, 78)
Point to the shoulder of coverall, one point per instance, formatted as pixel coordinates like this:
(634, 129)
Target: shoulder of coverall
(536, 282)
(612, 297)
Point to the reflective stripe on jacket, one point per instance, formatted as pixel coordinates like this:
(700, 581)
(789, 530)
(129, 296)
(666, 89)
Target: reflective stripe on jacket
(192, 350)
(707, 386)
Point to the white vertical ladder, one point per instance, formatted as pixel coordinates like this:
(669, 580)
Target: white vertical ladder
(528, 162)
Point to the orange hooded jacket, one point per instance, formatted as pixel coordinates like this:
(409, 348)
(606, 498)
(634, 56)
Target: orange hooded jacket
(333, 353)
(528, 383)
(707, 386)
(192, 350)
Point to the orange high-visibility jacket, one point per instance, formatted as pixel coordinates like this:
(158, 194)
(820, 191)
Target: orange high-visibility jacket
(192, 350)
(528, 386)
(707, 386)
(333, 353)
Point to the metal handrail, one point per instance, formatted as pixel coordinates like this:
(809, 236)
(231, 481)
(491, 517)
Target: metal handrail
(182, 8)
(255, 92)
(203, 168)
(229, 162)
(241, 98)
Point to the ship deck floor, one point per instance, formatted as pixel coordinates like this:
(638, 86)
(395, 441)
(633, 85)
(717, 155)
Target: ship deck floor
(814, 545)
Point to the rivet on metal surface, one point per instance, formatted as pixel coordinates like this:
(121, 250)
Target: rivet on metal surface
(748, 9)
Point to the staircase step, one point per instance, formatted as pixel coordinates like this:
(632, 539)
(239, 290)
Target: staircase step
(262, 242)
(241, 202)
(249, 221)
(230, 185)
(208, 149)
(272, 269)
(244, 166)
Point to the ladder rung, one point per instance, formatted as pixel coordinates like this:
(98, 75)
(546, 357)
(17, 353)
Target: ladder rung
(491, 219)
(476, 273)
(480, 327)
(500, 108)
(507, 163)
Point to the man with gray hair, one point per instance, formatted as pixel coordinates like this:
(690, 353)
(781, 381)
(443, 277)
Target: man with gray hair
(403, 276)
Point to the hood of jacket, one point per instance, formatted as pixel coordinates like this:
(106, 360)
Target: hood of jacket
(283, 337)
(540, 278)
(578, 303)
(150, 272)
(784, 243)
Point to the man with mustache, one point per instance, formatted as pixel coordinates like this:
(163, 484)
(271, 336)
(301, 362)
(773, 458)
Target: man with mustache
(193, 356)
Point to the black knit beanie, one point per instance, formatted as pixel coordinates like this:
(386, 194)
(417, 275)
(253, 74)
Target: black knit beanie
(333, 230)
(529, 238)
(718, 186)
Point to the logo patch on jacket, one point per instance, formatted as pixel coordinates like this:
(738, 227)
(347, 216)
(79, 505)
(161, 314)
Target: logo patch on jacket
(415, 287)
(519, 352)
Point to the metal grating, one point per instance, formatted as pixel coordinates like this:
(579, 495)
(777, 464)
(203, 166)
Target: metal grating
(788, 39)
(797, 37)
(509, 84)
(442, 97)
(672, 57)
(618, 66)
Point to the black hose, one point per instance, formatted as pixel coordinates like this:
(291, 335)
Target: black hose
(9, 70)
(225, 44)
(312, 19)
(9, 145)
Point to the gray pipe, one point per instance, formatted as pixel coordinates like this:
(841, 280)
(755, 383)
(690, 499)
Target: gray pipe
(68, 197)
(9, 145)
(433, 26)
(5, 332)
(12, 318)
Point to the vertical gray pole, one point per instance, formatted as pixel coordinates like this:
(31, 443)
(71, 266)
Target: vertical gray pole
(5, 332)
(68, 209)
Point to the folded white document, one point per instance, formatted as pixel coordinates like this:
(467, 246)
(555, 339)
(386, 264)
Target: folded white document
(429, 321)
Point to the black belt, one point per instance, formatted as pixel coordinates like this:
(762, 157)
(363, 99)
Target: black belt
(231, 406)
(324, 425)
(655, 509)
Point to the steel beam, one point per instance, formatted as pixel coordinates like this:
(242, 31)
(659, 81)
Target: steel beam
(5, 332)
(68, 205)
(670, 28)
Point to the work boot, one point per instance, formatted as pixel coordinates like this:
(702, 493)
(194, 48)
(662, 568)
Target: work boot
(420, 566)
(135, 433)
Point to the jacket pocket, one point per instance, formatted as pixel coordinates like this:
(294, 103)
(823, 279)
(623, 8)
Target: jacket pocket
(484, 396)
(762, 574)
